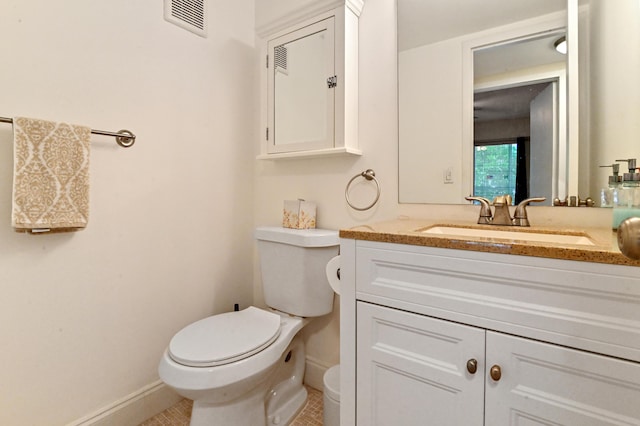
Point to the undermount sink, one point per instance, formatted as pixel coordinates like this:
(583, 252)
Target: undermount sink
(508, 235)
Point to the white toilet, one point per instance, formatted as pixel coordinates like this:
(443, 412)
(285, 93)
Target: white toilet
(246, 367)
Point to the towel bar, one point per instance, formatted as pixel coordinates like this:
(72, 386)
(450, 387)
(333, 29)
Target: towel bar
(124, 138)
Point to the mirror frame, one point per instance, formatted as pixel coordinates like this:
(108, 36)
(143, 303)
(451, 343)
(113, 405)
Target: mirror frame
(509, 34)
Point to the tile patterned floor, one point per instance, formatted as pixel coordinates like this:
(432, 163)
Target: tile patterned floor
(179, 414)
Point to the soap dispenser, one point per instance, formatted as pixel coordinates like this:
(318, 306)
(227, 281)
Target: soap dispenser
(628, 179)
(627, 203)
(609, 195)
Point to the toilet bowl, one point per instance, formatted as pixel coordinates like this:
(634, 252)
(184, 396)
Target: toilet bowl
(228, 391)
(247, 367)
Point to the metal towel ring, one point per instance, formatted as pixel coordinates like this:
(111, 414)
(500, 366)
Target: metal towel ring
(368, 174)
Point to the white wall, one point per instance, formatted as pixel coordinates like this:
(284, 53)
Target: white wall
(431, 122)
(85, 316)
(501, 129)
(323, 180)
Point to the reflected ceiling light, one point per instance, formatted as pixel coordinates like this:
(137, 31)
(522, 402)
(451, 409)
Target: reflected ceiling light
(561, 45)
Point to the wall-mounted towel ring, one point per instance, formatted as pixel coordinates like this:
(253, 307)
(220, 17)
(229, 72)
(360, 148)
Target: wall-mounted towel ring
(368, 174)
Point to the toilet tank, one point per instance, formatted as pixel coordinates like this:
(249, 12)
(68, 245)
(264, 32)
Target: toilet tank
(293, 268)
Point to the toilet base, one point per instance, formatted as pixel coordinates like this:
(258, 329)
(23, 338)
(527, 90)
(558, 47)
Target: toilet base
(287, 395)
(289, 410)
(248, 411)
(276, 400)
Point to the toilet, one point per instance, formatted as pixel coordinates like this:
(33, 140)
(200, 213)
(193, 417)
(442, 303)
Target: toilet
(246, 367)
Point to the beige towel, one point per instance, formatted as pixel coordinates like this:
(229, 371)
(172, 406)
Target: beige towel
(50, 176)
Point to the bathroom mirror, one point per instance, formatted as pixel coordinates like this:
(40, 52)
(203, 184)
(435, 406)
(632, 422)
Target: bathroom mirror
(464, 65)
(436, 95)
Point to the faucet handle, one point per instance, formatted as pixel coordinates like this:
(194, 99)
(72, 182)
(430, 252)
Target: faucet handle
(520, 216)
(480, 199)
(485, 209)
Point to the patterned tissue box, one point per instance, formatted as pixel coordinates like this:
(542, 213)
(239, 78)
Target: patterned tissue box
(299, 214)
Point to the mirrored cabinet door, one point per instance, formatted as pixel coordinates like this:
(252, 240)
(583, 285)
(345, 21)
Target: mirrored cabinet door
(309, 87)
(301, 89)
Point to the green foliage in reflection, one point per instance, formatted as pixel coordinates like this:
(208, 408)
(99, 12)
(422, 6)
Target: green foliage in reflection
(495, 170)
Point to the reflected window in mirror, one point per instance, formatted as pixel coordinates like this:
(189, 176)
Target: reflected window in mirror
(500, 168)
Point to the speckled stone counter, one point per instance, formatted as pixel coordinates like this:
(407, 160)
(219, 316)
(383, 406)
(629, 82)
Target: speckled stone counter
(409, 231)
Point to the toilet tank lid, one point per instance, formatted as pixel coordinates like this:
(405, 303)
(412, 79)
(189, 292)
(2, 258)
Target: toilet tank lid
(298, 237)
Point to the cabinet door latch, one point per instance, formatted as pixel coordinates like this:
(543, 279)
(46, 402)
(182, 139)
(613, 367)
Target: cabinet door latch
(332, 82)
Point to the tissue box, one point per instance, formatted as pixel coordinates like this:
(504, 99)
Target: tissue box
(299, 214)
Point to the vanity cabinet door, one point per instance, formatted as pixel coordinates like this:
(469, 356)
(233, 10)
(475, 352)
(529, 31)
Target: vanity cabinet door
(546, 384)
(412, 370)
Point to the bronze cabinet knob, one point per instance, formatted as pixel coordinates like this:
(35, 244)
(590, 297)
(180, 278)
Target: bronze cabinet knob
(472, 366)
(495, 372)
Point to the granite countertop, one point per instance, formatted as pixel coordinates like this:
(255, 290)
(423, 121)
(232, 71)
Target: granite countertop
(409, 231)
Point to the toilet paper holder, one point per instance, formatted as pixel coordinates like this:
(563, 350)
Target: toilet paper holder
(333, 273)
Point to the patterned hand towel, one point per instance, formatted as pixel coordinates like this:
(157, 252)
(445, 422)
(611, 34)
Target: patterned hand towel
(50, 176)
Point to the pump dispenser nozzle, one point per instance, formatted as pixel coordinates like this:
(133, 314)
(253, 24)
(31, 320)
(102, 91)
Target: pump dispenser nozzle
(633, 175)
(631, 162)
(615, 178)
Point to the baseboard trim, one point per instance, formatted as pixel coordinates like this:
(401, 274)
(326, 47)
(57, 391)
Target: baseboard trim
(314, 373)
(156, 397)
(133, 409)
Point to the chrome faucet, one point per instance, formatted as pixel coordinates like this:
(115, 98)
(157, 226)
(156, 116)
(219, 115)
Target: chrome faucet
(501, 215)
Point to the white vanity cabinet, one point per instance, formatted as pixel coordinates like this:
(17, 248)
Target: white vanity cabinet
(413, 367)
(450, 337)
(310, 81)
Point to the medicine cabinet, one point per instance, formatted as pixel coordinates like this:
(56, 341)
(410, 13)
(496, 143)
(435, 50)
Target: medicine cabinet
(310, 83)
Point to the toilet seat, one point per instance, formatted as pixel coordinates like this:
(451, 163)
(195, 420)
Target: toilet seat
(225, 338)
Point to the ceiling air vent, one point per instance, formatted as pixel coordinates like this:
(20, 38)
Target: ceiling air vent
(188, 14)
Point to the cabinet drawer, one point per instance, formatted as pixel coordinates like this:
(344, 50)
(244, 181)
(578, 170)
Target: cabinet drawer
(589, 306)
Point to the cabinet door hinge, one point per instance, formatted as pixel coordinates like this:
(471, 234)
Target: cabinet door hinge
(332, 82)
(267, 61)
(267, 133)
